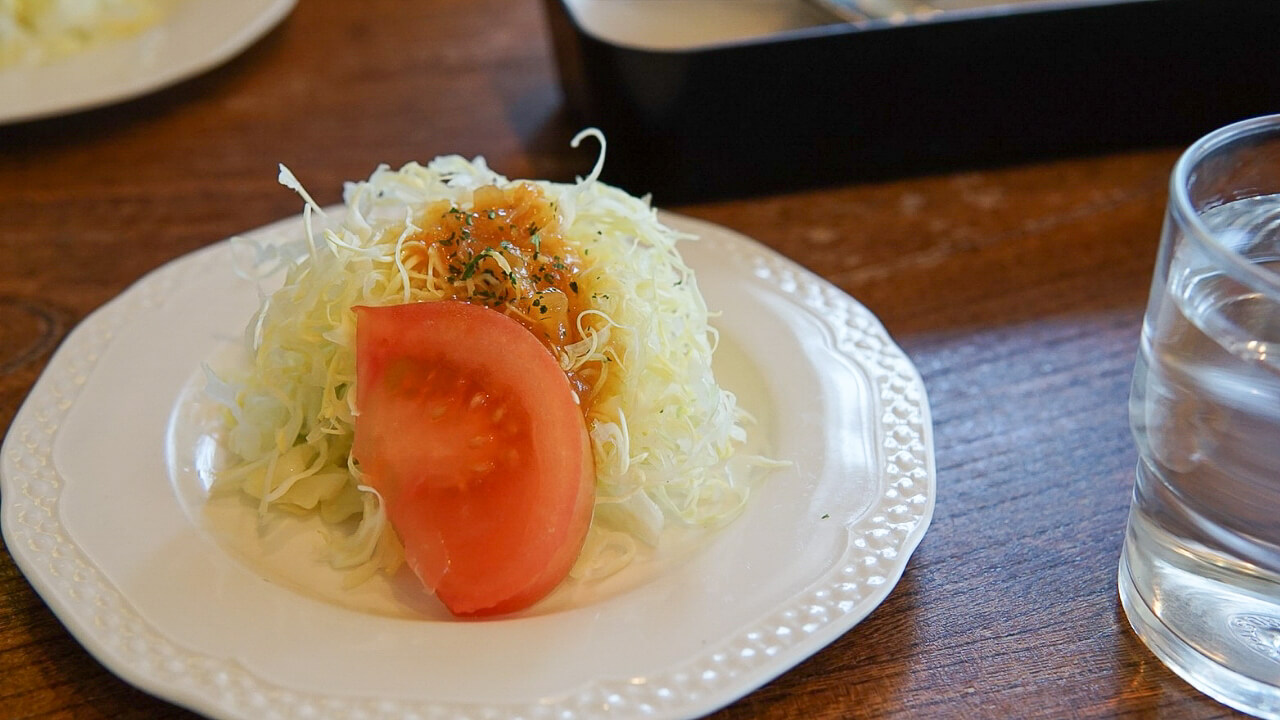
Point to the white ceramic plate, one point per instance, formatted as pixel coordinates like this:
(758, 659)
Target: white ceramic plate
(104, 510)
(196, 36)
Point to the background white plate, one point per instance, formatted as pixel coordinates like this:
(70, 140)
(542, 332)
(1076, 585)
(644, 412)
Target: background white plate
(102, 510)
(196, 36)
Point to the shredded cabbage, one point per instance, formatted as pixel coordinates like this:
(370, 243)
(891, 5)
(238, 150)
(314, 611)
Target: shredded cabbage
(35, 31)
(663, 431)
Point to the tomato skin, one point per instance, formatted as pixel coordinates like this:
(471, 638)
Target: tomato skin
(470, 431)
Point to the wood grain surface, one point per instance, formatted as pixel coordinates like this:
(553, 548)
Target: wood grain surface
(1016, 290)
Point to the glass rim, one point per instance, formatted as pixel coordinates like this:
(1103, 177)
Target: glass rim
(1194, 227)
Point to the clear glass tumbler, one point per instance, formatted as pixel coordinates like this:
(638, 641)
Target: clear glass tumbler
(1200, 570)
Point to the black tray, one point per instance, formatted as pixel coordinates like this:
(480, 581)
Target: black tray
(840, 102)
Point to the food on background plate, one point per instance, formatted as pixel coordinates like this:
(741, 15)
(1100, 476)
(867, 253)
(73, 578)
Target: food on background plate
(38, 31)
(502, 382)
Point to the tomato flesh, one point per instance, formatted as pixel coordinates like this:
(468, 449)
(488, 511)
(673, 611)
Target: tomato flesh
(471, 432)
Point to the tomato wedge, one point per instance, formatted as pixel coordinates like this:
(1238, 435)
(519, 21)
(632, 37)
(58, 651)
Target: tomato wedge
(471, 432)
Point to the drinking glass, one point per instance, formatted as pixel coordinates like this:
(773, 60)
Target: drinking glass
(1200, 570)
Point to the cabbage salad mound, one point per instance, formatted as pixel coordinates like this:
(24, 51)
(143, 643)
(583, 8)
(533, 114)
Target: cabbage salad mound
(409, 381)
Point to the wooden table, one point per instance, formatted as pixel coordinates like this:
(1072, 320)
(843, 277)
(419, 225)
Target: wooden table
(1017, 291)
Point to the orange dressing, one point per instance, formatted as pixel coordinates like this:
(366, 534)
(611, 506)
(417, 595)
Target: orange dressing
(507, 252)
